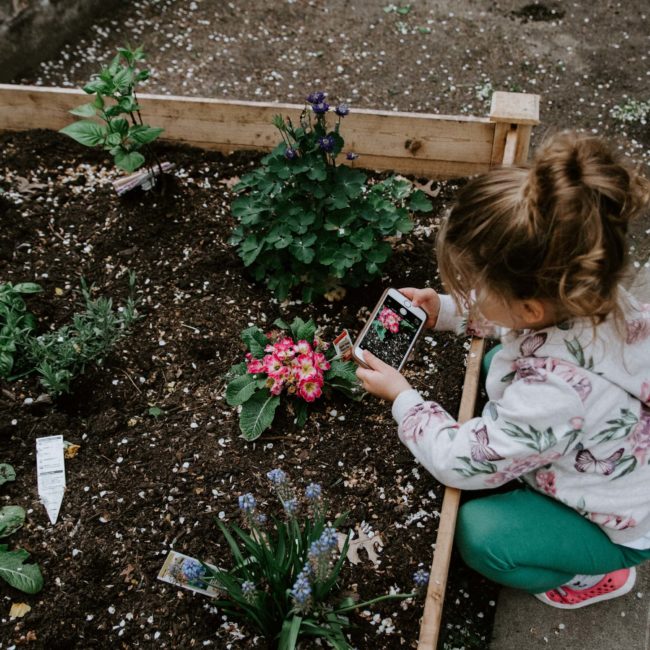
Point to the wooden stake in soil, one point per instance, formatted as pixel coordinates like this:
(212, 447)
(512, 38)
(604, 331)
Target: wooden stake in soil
(512, 152)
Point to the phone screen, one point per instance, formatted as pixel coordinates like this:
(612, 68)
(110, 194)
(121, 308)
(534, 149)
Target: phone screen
(391, 332)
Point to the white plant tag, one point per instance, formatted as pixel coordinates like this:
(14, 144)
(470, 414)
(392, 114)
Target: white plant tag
(50, 469)
(172, 572)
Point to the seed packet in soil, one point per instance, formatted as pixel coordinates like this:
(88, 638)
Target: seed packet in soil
(187, 572)
(343, 346)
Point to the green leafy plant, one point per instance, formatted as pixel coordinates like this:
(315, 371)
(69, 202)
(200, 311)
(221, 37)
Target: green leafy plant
(123, 133)
(290, 361)
(284, 580)
(26, 577)
(63, 354)
(16, 323)
(306, 221)
(60, 355)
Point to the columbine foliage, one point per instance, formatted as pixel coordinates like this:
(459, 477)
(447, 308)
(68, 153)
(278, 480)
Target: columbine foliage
(306, 221)
(292, 361)
(124, 134)
(60, 355)
(26, 577)
(283, 582)
(16, 323)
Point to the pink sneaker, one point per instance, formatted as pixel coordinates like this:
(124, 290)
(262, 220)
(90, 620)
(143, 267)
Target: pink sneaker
(612, 585)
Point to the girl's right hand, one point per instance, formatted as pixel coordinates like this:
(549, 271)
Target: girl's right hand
(428, 299)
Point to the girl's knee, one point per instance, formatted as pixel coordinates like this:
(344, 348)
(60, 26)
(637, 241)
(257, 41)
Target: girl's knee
(478, 535)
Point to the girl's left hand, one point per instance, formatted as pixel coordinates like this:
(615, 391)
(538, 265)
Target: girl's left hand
(380, 379)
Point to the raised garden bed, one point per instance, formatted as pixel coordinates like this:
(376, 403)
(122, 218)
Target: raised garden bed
(143, 484)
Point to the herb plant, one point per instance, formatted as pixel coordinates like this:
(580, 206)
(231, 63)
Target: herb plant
(63, 354)
(290, 361)
(26, 577)
(16, 323)
(284, 579)
(60, 355)
(123, 133)
(306, 221)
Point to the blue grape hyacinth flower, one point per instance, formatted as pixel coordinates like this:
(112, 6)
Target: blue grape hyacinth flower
(193, 570)
(277, 476)
(421, 579)
(313, 492)
(247, 502)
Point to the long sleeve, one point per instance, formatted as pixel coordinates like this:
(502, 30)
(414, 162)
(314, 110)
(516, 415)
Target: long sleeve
(450, 319)
(532, 425)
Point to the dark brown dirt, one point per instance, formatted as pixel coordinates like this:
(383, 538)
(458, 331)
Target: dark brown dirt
(141, 485)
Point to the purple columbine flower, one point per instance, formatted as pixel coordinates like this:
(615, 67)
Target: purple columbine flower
(326, 143)
(290, 153)
(421, 578)
(350, 155)
(192, 569)
(316, 98)
(321, 108)
(247, 502)
(313, 491)
(342, 110)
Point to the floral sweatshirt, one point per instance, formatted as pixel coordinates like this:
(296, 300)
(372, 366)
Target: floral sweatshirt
(568, 413)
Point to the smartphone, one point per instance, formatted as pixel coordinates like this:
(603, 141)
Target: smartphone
(391, 330)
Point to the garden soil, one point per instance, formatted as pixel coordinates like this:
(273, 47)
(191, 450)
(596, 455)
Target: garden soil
(140, 484)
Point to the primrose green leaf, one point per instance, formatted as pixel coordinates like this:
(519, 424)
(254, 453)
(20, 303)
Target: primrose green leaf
(129, 160)
(240, 389)
(7, 473)
(11, 519)
(90, 134)
(26, 577)
(256, 341)
(85, 110)
(257, 414)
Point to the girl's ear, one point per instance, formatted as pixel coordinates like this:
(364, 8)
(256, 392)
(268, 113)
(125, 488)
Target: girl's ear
(535, 312)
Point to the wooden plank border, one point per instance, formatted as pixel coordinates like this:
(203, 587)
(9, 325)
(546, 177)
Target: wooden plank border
(421, 144)
(515, 148)
(427, 145)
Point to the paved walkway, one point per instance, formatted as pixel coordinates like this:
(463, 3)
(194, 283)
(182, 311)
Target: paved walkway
(524, 623)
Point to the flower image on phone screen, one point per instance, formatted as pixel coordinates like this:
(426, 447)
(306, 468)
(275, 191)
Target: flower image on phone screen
(391, 332)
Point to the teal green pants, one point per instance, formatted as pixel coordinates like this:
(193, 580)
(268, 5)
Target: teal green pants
(527, 540)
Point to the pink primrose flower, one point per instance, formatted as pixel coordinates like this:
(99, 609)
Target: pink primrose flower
(272, 363)
(310, 389)
(302, 347)
(255, 366)
(305, 367)
(284, 349)
(321, 362)
(389, 319)
(275, 385)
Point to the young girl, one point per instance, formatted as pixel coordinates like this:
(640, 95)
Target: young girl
(544, 250)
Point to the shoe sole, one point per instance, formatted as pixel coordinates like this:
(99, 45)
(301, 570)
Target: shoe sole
(621, 591)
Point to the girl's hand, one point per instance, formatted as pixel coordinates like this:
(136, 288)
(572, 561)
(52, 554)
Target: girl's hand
(380, 379)
(428, 299)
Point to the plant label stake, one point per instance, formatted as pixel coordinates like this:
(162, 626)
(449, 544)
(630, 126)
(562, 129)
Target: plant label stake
(145, 179)
(50, 469)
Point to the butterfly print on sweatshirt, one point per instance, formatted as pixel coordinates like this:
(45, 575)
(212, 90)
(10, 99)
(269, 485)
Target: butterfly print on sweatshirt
(480, 448)
(587, 462)
(532, 369)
